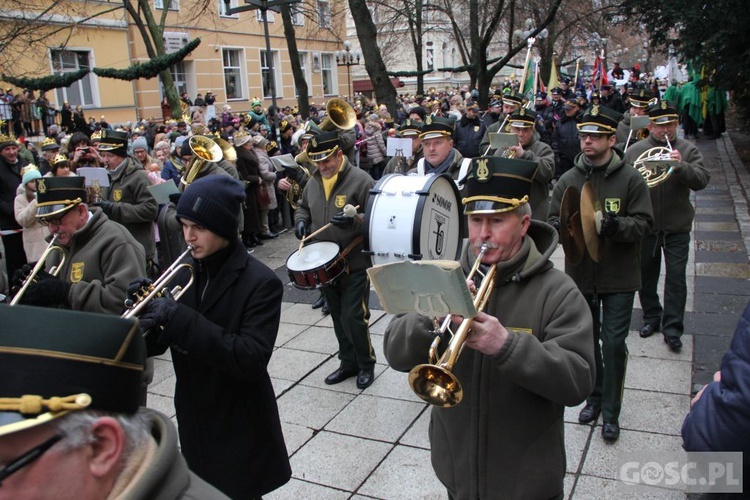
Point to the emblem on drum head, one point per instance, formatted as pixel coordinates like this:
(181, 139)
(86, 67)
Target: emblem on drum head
(483, 173)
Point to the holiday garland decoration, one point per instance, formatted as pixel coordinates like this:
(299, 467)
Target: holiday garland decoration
(46, 83)
(398, 74)
(151, 68)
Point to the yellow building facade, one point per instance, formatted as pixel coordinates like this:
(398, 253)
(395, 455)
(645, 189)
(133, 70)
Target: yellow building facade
(230, 61)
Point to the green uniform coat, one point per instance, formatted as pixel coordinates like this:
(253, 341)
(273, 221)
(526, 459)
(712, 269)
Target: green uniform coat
(544, 157)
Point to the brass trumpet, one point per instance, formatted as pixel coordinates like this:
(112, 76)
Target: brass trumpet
(157, 288)
(31, 278)
(434, 382)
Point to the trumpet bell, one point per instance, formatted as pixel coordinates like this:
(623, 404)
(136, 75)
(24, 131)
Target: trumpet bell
(436, 385)
(230, 154)
(204, 150)
(339, 114)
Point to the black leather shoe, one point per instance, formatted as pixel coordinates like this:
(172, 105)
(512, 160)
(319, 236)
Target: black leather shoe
(674, 343)
(268, 236)
(647, 330)
(319, 303)
(589, 413)
(610, 432)
(325, 309)
(256, 240)
(365, 378)
(340, 375)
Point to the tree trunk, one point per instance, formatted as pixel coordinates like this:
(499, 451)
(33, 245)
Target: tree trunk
(170, 91)
(299, 77)
(385, 93)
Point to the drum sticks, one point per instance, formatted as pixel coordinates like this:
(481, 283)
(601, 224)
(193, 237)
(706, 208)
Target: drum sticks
(349, 211)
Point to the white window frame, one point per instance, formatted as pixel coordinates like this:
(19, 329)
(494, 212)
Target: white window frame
(270, 17)
(232, 4)
(328, 57)
(173, 4)
(304, 60)
(179, 78)
(61, 94)
(276, 72)
(241, 69)
(323, 9)
(298, 19)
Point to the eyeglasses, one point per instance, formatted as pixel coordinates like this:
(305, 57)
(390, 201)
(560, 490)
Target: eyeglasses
(28, 457)
(593, 137)
(45, 221)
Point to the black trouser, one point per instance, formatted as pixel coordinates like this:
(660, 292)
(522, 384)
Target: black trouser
(612, 356)
(15, 255)
(348, 299)
(675, 247)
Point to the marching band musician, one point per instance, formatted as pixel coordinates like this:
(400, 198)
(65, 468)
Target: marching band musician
(609, 285)
(525, 358)
(512, 102)
(639, 101)
(399, 165)
(522, 123)
(102, 256)
(438, 154)
(221, 333)
(673, 220)
(335, 184)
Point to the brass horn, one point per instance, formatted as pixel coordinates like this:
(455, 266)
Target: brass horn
(435, 382)
(649, 164)
(31, 278)
(204, 150)
(339, 114)
(157, 288)
(230, 154)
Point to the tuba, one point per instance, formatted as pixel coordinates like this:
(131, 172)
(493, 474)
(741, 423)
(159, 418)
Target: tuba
(650, 167)
(31, 278)
(434, 382)
(339, 114)
(204, 150)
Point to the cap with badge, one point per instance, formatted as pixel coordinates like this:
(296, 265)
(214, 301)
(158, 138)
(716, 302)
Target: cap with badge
(599, 119)
(49, 144)
(663, 112)
(66, 361)
(436, 126)
(640, 98)
(57, 195)
(496, 184)
(572, 103)
(513, 99)
(541, 95)
(410, 128)
(115, 142)
(522, 118)
(323, 145)
(556, 91)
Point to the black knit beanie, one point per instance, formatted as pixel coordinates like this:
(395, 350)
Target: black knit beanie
(213, 202)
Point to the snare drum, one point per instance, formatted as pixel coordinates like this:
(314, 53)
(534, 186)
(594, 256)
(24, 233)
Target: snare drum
(413, 217)
(317, 264)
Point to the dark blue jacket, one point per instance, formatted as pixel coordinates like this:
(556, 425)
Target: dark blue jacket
(720, 419)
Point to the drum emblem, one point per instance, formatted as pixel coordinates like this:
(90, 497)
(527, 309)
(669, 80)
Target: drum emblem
(439, 236)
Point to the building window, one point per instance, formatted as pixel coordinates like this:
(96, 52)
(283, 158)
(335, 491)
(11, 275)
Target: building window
(173, 4)
(297, 18)
(329, 80)
(269, 16)
(179, 77)
(233, 63)
(430, 56)
(324, 14)
(304, 62)
(265, 72)
(223, 8)
(80, 92)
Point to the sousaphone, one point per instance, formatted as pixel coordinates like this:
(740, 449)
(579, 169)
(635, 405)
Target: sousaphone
(571, 230)
(591, 222)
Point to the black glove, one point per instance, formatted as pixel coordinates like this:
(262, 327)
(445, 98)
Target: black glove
(20, 275)
(301, 229)
(175, 197)
(556, 225)
(48, 293)
(158, 312)
(136, 288)
(106, 207)
(342, 221)
(610, 223)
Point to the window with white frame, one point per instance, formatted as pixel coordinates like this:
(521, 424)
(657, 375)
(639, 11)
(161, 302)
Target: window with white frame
(172, 5)
(223, 8)
(297, 18)
(304, 62)
(233, 62)
(267, 78)
(79, 92)
(324, 14)
(269, 16)
(179, 77)
(328, 74)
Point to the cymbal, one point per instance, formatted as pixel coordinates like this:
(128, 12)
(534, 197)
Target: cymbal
(571, 231)
(590, 212)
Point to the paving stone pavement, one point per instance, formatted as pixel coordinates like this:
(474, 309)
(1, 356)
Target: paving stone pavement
(347, 443)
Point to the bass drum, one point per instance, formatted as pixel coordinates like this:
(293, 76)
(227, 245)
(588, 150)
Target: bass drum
(412, 217)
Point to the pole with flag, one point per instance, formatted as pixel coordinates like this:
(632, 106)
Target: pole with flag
(554, 80)
(527, 62)
(575, 78)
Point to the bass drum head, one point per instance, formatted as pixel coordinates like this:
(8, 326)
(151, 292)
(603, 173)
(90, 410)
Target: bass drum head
(413, 217)
(312, 256)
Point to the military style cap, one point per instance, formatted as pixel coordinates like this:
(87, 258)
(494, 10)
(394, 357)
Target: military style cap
(496, 184)
(556, 91)
(115, 142)
(323, 145)
(50, 144)
(472, 105)
(599, 119)
(410, 128)
(522, 118)
(57, 195)
(663, 112)
(541, 95)
(6, 141)
(513, 99)
(641, 98)
(54, 361)
(435, 126)
(573, 101)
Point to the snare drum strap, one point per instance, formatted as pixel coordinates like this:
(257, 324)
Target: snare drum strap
(358, 240)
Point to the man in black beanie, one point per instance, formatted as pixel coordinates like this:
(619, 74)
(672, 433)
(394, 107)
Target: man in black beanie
(222, 332)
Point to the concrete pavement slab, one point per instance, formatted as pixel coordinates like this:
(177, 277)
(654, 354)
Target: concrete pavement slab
(417, 435)
(403, 476)
(381, 419)
(293, 364)
(311, 407)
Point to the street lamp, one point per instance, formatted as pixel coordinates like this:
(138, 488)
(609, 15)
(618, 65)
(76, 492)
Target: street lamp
(348, 58)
